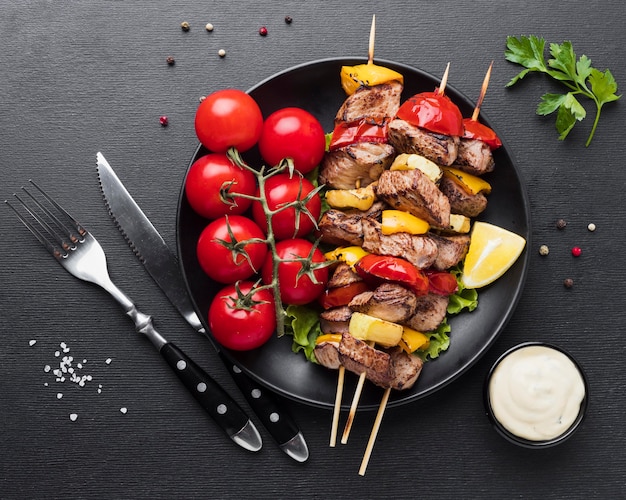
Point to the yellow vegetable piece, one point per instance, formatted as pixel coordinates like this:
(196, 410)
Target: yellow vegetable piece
(371, 329)
(412, 340)
(471, 183)
(349, 255)
(328, 337)
(492, 251)
(406, 161)
(353, 77)
(397, 221)
(359, 198)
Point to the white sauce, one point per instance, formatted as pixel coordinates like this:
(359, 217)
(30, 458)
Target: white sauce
(536, 392)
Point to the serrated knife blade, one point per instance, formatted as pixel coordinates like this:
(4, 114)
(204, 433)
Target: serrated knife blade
(162, 265)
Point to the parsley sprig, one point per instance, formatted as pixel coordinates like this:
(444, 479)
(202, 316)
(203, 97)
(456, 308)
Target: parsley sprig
(576, 74)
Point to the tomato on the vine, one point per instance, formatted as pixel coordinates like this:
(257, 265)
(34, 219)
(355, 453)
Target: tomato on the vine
(242, 321)
(294, 289)
(222, 253)
(228, 118)
(213, 174)
(295, 133)
(279, 190)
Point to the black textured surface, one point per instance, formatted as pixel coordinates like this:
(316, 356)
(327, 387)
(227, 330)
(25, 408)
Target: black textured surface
(81, 77)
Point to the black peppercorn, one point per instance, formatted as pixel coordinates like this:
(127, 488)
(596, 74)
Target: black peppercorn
(568, 283)
(170, 60)
(185, 26)
(560, 224)
(288, 19)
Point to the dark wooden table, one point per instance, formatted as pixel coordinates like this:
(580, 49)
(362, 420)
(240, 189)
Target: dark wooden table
(83, 76)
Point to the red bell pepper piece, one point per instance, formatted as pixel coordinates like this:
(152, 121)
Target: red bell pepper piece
(345, 134)
(434, 112)
(473, 129)
(441, 282)
(342, 295)
(379, 268)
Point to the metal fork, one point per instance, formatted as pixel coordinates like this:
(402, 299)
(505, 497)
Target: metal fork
(81, 255)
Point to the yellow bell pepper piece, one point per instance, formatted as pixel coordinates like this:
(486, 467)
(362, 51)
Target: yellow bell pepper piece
(397, 221)
(471, 183)
(412, 340)
(406, 161)
(328, 337)
(349, 255)
(359, 198)
(371, 329)
(353, 77)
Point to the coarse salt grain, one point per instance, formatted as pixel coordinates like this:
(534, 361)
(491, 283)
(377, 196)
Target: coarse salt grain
(221, 53)
(73, 417)
(59, 395)
(32, 342)
(591, 226)
(124, 410)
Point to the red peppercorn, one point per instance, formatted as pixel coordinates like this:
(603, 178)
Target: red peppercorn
(577, 251)
(263, 31)
(163, 121)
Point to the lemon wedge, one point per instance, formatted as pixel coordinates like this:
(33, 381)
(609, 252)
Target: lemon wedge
(492, 251)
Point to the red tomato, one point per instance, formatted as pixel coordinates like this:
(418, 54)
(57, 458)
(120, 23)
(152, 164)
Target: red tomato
(345, 134)
(441, 282)
(434, 112)
(242, 326)
(208, 177)
(376, 268)
(228, 118)
(222, 258)
(342, 295)
(473, 129)
(293, 133)
(279, 190)
(294, 289)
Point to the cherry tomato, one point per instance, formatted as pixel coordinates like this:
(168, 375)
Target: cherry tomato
(219, 254)
(342, 295)
(279, 190)
(441, 282)
(242, 324)
(345, 134)
(377, 268)
(473, 129)
(294, 133)
(294, 289)
(228, 118)
(208, 177)
(434, 112)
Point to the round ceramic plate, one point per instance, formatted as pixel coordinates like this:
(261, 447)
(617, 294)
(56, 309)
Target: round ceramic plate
(315, 86)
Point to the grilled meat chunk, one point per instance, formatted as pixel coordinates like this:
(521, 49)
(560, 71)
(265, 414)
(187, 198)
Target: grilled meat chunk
(356, 165)
(388, 301)
(430, 312)
(342, 276)
(406, 368)
(407, 138)
(358, 357)
(419, 250)
(474, 157)
(450, 250)
(340, 229)
(462, 202)
(376, 104)
(335, 320)
(374, 212)
(413, 192)
(327, 354)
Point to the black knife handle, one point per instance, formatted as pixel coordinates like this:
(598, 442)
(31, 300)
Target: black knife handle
(211, 396)
(271, 414)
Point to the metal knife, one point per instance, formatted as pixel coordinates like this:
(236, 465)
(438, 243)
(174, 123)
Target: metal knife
(162, 265)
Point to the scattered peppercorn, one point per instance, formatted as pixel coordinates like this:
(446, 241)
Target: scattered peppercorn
(185, 26)
(568, 283)
(544, 250)
(288, 19)
(263, 31)
(577, 251)
(221, 53)
(209, 27)
(164, 121)
(591, 227)
(170, 60)
(560, 224)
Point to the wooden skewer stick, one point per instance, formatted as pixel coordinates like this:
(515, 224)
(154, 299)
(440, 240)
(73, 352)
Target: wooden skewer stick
(374, 433)
(370, 51)
(337, 409)
(444, 81)
(483, 91)
(353, 407)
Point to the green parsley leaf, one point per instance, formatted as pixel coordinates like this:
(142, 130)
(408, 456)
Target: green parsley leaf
(578, 75)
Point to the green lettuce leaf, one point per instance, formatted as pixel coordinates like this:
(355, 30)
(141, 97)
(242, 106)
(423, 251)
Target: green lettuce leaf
(303, 323)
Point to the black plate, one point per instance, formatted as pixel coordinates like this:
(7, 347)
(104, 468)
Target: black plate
(315, 86)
